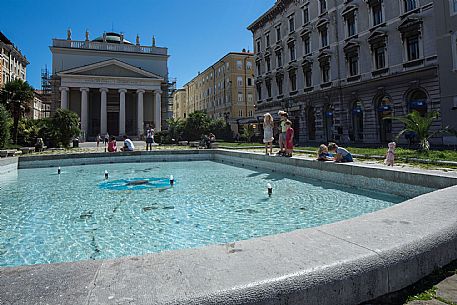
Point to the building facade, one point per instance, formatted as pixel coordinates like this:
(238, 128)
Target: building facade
(224, 90)
(13, 64)
(343, 68)
(39, 108)
(180, 104)
(446, 28)
(115, 86)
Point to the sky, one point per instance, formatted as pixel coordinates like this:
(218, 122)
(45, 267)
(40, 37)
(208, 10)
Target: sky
(196, 32)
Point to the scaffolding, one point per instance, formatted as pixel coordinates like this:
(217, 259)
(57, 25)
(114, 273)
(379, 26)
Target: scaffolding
(45, 81)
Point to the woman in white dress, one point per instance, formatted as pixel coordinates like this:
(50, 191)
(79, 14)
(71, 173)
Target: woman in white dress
(268, 132)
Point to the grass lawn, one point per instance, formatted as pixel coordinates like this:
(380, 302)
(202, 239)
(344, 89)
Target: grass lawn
(444, 155)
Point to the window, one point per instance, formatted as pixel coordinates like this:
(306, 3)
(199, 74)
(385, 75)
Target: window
(259, 91)
(279, 79)
(239, 81)
(239, 65)
(291, 24)
(325, 70)
(353, 64)
(259, 70)
(268, 63)
(250, 113)
(249, 65)
(250, 98)
(307, 44)
(259, 46)
(409, 5)
(249, 81)
(278, 33)
(305, 15)
(412, 48)
(293, 80)
(267, 39)
(350, 25)
(307, 73)
(376, 13)
(292, 51)
(268, 85)
(380, 57)
(453, 6)
(324, 37)
(240, 113)
(322, 6)
(240, 97)
(278, 59)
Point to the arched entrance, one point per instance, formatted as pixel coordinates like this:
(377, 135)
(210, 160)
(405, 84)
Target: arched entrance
(357, 121)
(328, 122)
(417, 101)
(311, 123)
(385, 112)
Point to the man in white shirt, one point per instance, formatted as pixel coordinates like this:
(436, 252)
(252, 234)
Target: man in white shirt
(128, 144)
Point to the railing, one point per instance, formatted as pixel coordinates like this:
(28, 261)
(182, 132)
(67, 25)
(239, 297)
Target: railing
(107, 46)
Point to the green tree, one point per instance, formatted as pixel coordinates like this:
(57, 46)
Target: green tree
(197, 124)
(420, 125)
(4, 127)
(220, 129)
(64, 127)
(175, 128)
(17, 95)
(248, 133)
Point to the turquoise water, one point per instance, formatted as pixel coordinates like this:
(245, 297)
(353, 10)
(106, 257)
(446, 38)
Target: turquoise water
(78, 215)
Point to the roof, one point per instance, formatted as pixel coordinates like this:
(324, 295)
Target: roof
(280, 6)
(112, 37)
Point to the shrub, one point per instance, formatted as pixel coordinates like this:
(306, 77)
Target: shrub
(64, 127)
(5, 123)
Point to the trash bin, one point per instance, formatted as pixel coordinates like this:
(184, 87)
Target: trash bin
(75, 143)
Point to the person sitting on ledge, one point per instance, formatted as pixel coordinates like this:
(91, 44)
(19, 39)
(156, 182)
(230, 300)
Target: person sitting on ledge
(323, 154)
(112, 144)
(128, 144)
(341, 154)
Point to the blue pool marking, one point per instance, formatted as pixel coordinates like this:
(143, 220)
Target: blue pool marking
(135, 184)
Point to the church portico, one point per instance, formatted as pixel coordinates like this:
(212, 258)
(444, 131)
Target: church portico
(116, 104)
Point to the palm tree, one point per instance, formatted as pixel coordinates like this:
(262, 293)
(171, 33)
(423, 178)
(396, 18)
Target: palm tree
(175, 128)
(420, 126)
(17, 95)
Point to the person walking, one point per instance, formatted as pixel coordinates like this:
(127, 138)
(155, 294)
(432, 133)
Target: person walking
(268, 133)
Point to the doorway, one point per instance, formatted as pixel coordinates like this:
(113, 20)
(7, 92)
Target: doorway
(113, 123)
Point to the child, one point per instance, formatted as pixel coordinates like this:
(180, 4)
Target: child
(342, 155)
(282, 134)
(323, 154)
(112, 144)
(289, 139)
(268, 132)
(390, 156)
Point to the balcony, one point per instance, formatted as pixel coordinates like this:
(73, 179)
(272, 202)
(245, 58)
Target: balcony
(106, 46)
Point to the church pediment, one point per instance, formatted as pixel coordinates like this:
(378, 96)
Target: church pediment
(111, 68)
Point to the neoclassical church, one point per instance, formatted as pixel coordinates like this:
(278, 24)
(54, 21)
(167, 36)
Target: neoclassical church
(115, 86)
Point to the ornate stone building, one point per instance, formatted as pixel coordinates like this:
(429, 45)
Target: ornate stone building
(224, 90)
(114, 86)
(13, 65)
(341, 68)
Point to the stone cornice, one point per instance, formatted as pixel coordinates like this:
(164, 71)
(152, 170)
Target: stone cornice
(270, 15)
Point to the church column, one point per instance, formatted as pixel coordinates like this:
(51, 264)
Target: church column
(64, 97)
(158, 111)
(140, 122)
(103, 114)
(122, 111)
(84, 111)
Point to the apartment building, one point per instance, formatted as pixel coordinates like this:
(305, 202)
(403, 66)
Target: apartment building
(224, 90)
(13, 64)
(342, 68)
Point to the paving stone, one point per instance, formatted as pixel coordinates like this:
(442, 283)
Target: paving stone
(431, 302)
(447, 289)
